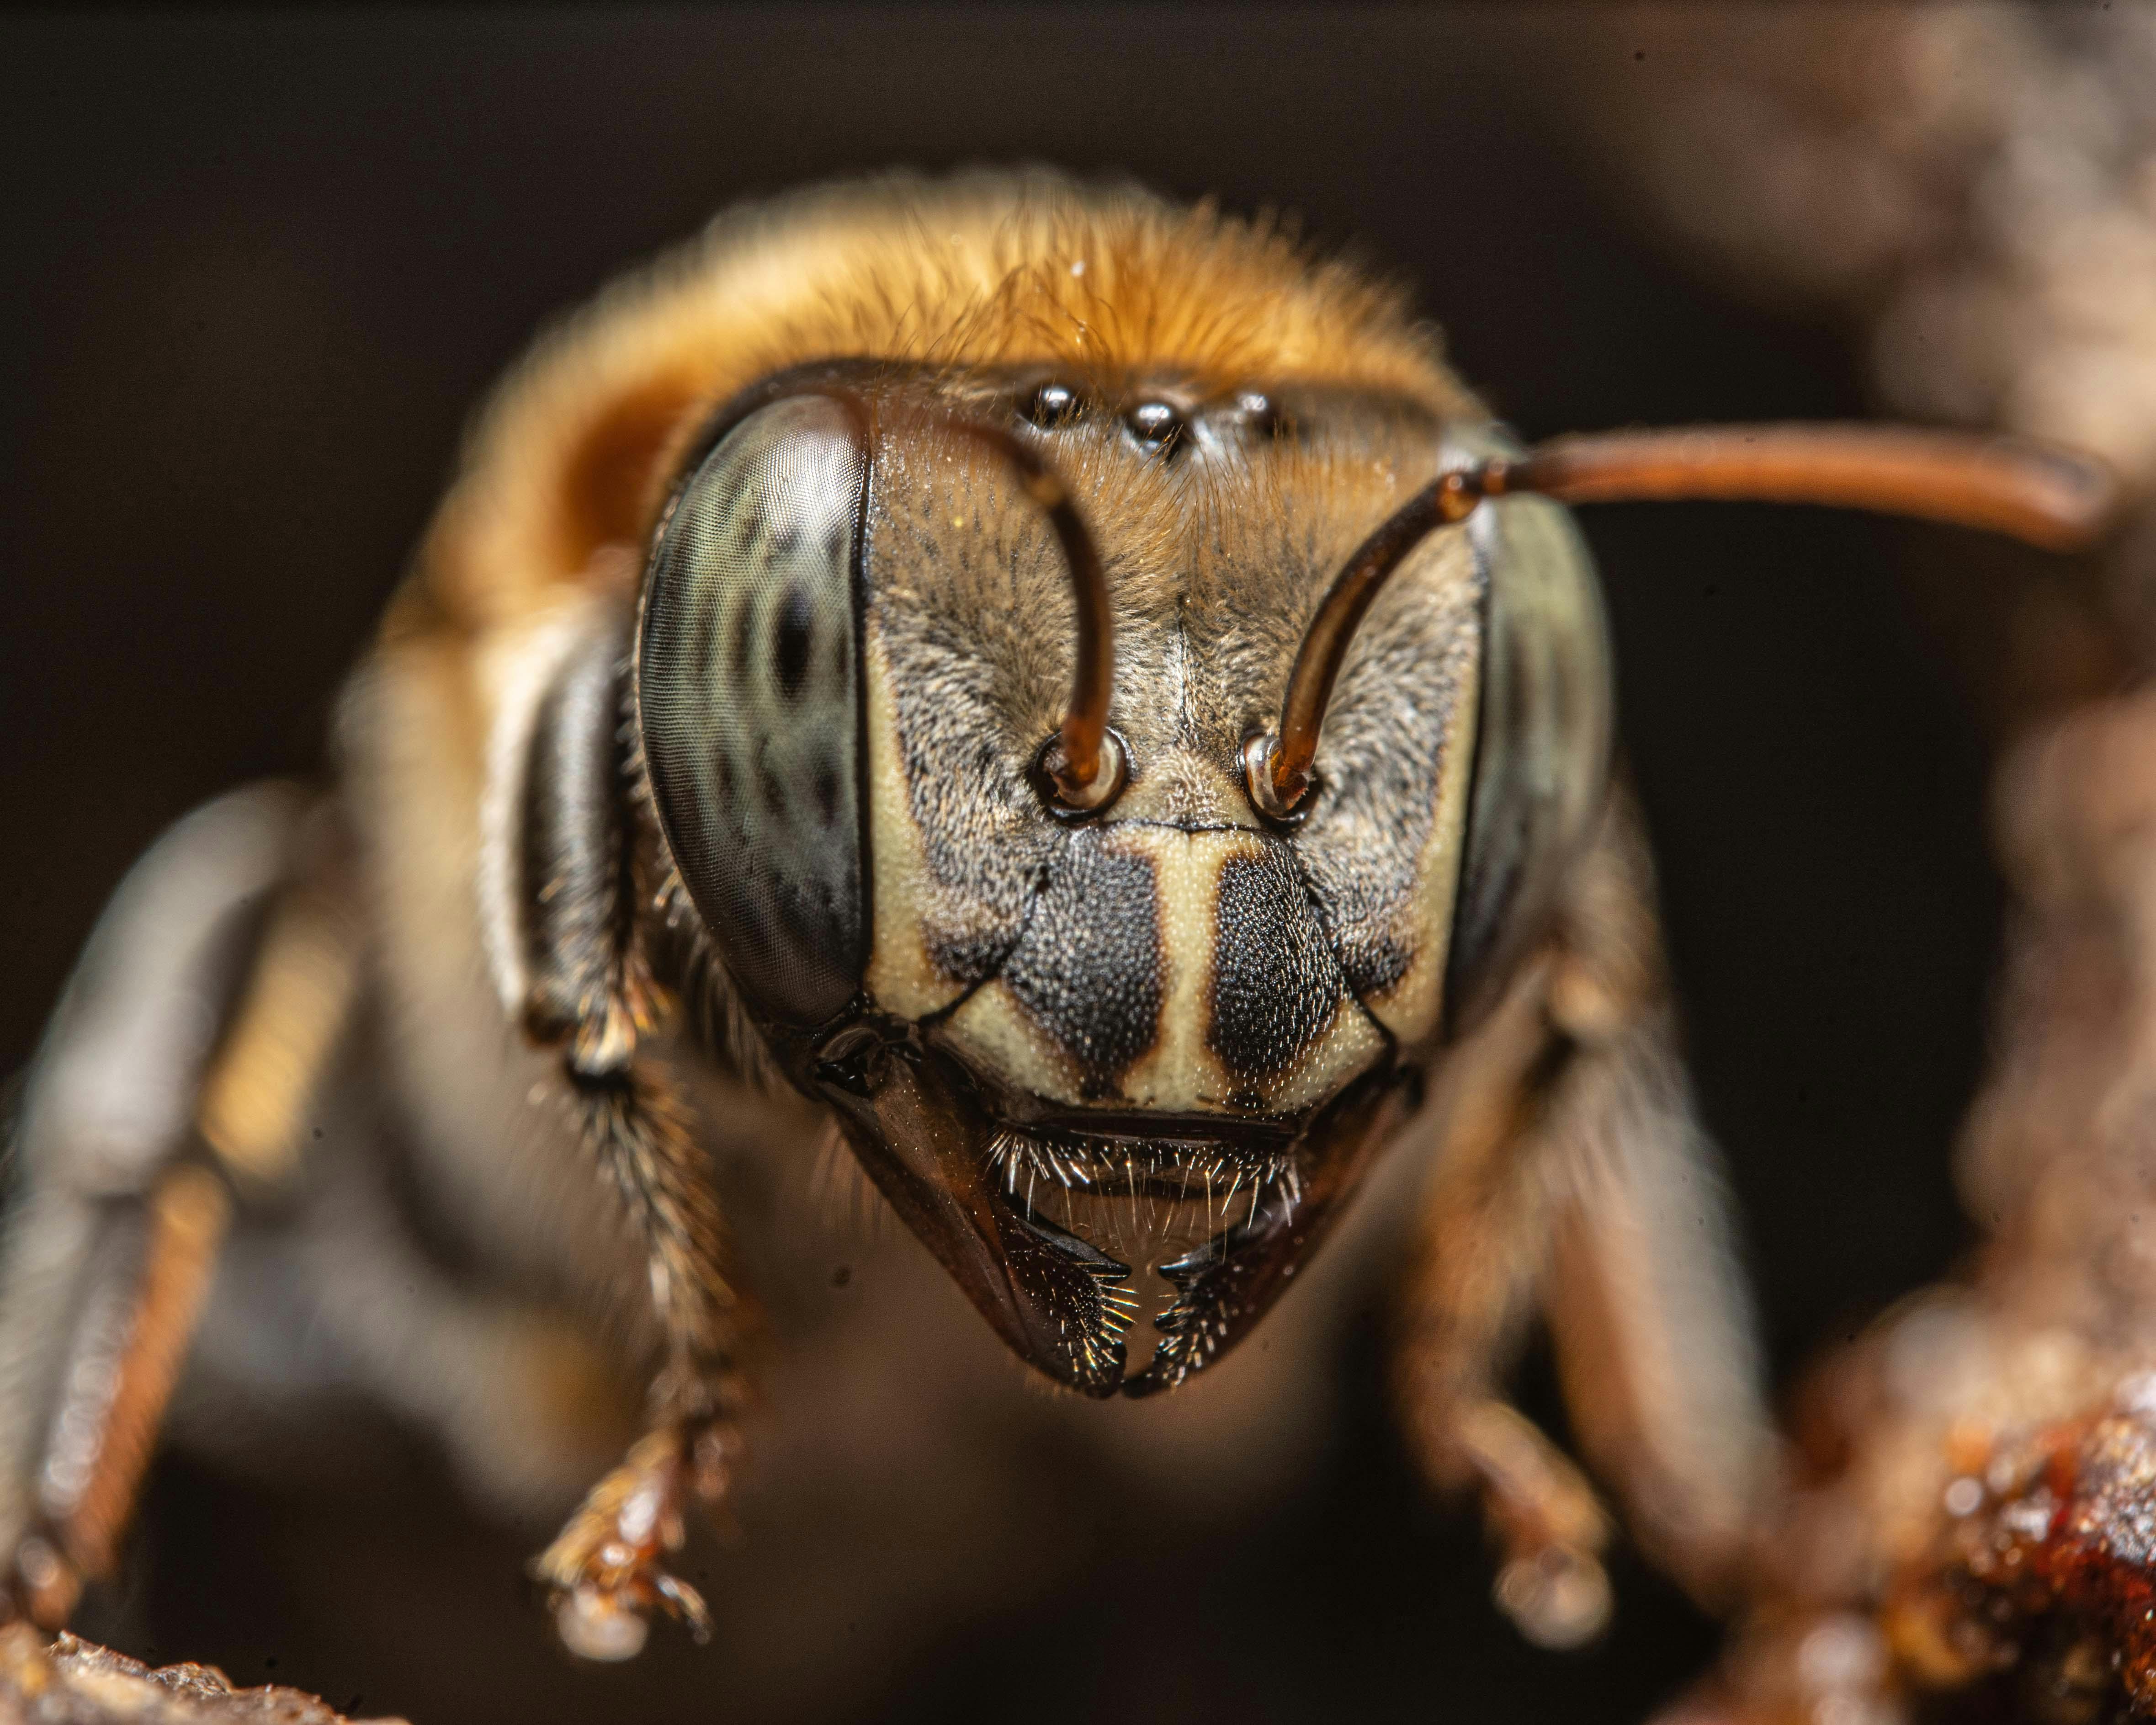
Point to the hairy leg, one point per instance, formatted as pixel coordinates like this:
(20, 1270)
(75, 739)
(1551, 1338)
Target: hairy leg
(605, 1570)
(591, 995)
(1483, 1252)
(1578, 1180)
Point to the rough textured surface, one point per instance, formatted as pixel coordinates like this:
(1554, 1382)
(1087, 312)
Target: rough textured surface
(1968, 194)
(1974, 1519)
(1970, 1530)
(1971, 181)
(76, 1682)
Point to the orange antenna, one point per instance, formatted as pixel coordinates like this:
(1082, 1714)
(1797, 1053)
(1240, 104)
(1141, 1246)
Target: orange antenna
(2051, 497)
(1084, 763)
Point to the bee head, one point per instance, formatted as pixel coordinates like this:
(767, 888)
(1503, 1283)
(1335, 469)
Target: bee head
(949, 687)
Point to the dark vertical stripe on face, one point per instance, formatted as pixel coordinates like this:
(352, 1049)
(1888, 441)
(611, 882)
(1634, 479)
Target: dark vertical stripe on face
(1276, 982)
(1088, 971)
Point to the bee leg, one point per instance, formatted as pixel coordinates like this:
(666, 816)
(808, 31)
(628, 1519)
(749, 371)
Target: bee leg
(1472, 1291)
(604, 1572)
(1647, 1305)
(1579, 1180)
(590, 993)
(194, 1024)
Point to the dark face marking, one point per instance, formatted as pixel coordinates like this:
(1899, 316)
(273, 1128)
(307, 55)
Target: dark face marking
(1376, 964)
(1276, 982)
(1087, 971)
(1029, 975)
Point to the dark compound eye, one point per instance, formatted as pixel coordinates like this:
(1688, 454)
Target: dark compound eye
(749, 697)
(1155, 423)
(1541, 744)
(1053, 405)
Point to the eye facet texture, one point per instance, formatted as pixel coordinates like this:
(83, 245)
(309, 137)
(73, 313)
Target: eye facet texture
(749, 693)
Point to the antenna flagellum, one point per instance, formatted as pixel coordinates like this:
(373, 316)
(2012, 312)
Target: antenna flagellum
(2053, 498)
(1084, 762)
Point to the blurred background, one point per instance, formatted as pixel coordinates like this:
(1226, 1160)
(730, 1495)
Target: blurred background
(259, 270)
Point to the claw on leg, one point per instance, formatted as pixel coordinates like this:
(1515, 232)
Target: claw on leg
(604, 1573)
(1546, 1516)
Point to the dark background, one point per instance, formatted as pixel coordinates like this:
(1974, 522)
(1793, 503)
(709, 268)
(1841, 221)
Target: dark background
(256, 272)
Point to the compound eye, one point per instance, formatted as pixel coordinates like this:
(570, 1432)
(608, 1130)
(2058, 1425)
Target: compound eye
(748, 692)
(1541, 749)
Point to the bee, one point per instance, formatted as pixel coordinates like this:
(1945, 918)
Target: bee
(1071, 693)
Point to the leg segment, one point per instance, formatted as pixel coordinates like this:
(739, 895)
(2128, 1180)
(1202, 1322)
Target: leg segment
(1580, 1179)
(591, 994)
(108, 1421)
(605, 1569)
(1485, 1248)
(115, 1240)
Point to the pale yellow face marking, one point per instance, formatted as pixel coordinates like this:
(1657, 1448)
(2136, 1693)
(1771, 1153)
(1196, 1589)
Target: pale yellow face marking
(1412, 1007)
(996, 1035)
(1350, 1044)
(1181, 1075)
(901, 978)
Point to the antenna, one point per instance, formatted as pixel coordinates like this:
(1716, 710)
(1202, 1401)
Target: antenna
(2051, 497)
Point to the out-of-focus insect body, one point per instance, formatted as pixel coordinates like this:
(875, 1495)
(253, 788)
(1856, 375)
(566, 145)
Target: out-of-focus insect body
(725, 751)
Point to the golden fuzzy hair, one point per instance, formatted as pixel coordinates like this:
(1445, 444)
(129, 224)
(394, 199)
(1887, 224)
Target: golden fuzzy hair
(981, 269)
